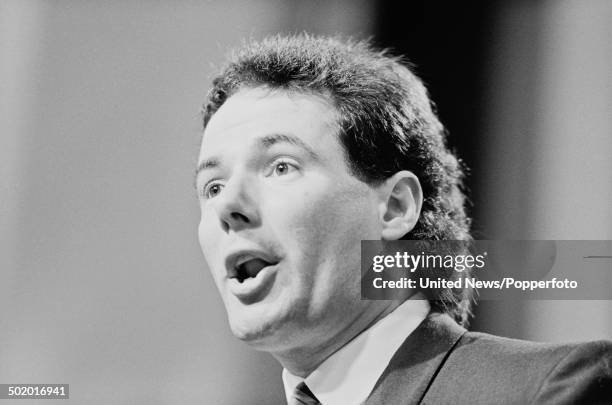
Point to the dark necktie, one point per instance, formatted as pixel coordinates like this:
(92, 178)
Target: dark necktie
(303, 396)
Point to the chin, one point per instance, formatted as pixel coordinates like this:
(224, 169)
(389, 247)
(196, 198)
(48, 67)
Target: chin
(255, 331)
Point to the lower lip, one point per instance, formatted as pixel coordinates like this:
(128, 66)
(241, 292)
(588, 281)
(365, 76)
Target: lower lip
(253, 287)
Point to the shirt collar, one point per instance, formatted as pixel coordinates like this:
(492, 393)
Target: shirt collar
(349, 375)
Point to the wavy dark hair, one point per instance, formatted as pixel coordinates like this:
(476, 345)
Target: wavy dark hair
(387, 124)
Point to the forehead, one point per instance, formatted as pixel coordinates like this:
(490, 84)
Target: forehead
(257, 112)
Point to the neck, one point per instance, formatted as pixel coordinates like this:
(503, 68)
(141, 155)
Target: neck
(303, 360)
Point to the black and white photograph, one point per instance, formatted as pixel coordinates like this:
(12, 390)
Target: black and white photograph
(341, 202)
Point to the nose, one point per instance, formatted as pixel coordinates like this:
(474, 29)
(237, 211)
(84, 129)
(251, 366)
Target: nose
(236, 205)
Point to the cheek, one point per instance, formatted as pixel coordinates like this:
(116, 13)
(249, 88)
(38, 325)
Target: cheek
(307, 216)
(343, 210)
(331, 221)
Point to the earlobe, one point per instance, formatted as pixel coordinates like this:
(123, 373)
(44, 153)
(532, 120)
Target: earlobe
(401, 201)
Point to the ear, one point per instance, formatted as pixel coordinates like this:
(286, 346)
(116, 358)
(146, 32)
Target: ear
(401, 198)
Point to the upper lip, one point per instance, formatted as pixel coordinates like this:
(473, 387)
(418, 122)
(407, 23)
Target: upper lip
(238, 257)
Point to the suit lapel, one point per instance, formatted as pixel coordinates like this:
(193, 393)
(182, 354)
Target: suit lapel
(417, 361)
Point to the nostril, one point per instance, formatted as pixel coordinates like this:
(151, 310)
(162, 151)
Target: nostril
(224, 226)
(235, 221)
(236, 216)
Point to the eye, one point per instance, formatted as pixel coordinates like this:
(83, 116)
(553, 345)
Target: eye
(282, 168)
(211, 190)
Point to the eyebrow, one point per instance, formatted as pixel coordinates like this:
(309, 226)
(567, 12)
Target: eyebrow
(269, 140)
(266, 142)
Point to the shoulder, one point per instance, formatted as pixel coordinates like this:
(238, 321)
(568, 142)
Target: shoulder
(442, 363)
(517, 371)
(582, 375)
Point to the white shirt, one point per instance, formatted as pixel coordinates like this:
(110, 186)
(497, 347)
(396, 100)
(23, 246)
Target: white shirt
(348, 376)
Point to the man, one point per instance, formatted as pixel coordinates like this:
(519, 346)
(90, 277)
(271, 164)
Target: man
(310, 146)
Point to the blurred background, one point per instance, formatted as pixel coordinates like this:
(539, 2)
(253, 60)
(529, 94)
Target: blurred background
(102, 283)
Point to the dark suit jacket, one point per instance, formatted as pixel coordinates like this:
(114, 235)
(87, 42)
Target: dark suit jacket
(442, 363)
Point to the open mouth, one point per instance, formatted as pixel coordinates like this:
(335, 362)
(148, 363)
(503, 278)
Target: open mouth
(247, 266)
(250, 269)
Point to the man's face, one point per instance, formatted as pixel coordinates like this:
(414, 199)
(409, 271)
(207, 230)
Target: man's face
(282, 218)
